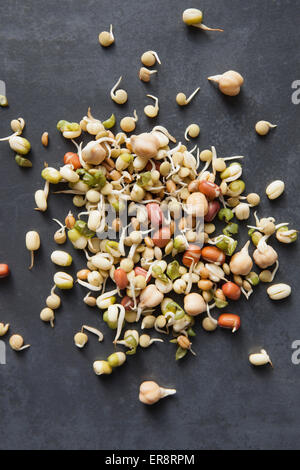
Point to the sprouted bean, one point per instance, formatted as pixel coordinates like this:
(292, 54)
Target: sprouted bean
(263, 127)
(16, 343)
(182, 100)
(120, 96)
(145, 74)
(193, 130)
(128, 123)
(166, 192)
(229, 82)
(149, 58)
(33, 243)
(194, 17)
(47, 315)
(151, 392)
(106, 38)
(150, 110)
(260, 359)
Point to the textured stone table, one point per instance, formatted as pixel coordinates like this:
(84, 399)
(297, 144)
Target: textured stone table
(54, 69)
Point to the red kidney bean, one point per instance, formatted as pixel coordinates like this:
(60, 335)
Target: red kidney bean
(192, 253)
(149, 165)
(213, 209)
(231, 290)
(230, 321)
(211, 190)
(73, 159)
(121, 278)
(162, 237)
(127, 303)
(4, 270)
(155, 214)
(138, 271)
(213, 254)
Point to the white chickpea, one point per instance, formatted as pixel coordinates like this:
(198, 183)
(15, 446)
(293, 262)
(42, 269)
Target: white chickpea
(179, 286)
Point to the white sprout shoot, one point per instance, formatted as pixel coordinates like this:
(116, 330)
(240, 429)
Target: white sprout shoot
(274, 271)
(89, 286)
(163, 130)
(190, 273)
(208, 307)
(93, 330)
(156, 56)
(121, 318)
(192, 95)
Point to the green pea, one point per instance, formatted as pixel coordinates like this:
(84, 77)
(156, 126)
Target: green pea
(221, 303)
(231, 248)
(52, 175)
(105, 316)
(231, 229)
(63, 126)
(145, 179)
(74, 235)
(163, 278)
(83, 229)
(180, 353)
(191, 332)
(225, 214)
(157, 270)
(179, 314)
(110, 122)
(172, 307)
(253, 278)
(179, 243)
(72, 126)
(3, 101)
(111, 245)
(126, 157)
(60, 125)
(95, 179)
(23, 162)
(227, 244)
(255, 237)
(236, 188)
(173, 270)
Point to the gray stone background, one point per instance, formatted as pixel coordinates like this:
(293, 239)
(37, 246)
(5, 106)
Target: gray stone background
(54, 69)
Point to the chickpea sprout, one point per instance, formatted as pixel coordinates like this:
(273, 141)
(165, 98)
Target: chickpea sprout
(16, 343)
(193, 130)
(229, 82)
(150, 110)
(263, 127)
(194, 17)
(151, 392)
(182, 100)
(119, 96)
(149, 58)
(128, 123)
(145, 74)
(106, 38)
(47, 315)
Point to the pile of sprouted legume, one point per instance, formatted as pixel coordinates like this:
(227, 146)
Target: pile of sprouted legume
(146, 209)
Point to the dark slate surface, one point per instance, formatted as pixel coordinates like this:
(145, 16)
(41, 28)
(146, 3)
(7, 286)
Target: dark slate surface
(54, 68)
